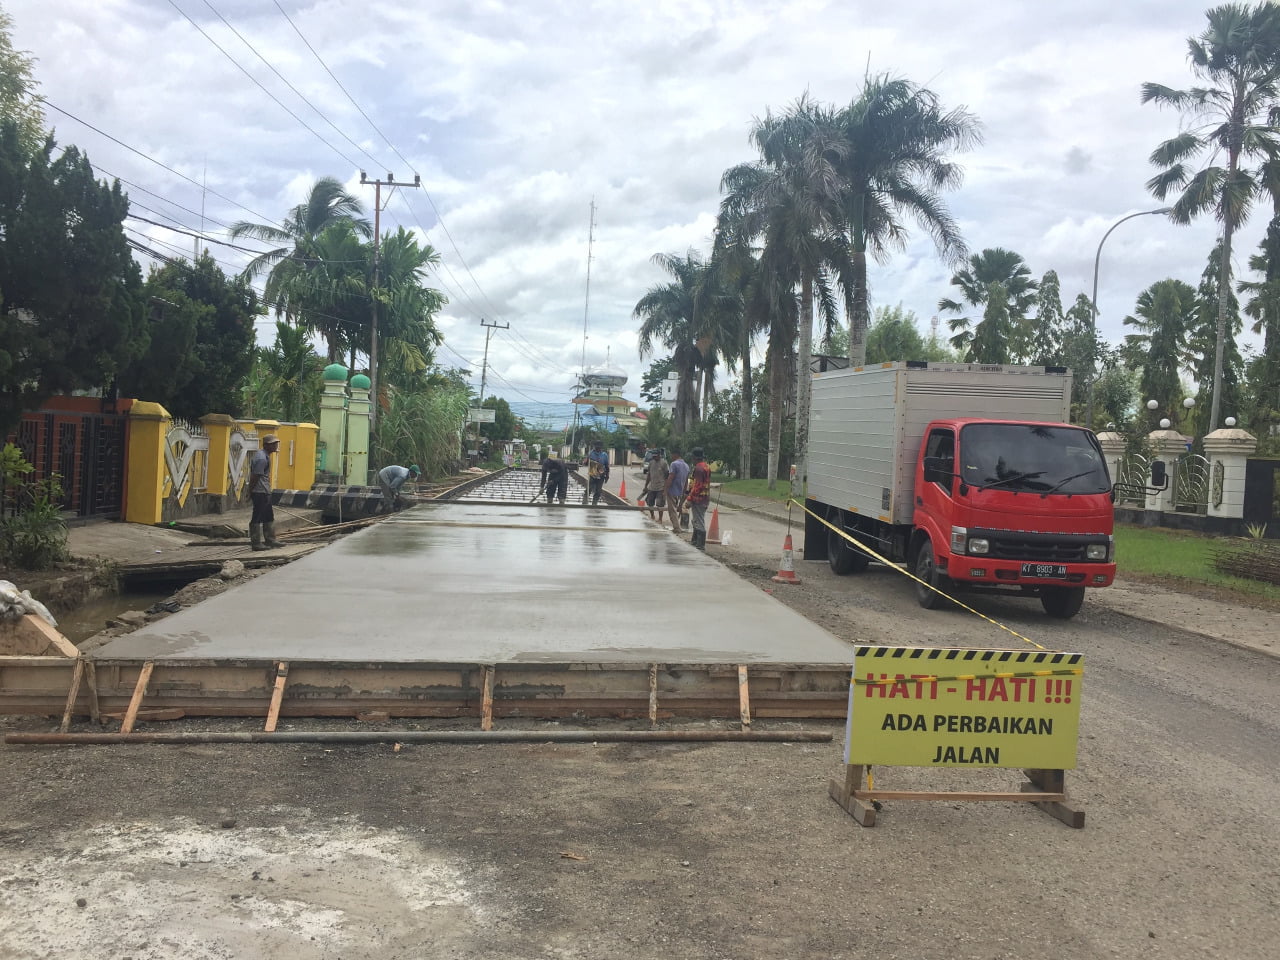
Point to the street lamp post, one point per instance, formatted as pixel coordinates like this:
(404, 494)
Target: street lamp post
(1093, 331)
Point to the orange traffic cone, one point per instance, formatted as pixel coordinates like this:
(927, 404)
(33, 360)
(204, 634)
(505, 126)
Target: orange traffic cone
(713, 532)
(622, 491)
(787, 571)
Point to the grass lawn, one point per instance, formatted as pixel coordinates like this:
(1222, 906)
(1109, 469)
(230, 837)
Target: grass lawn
(1184, 557)
(757, 488)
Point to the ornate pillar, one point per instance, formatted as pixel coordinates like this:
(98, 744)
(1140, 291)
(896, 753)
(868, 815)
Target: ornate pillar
(358, 431)
(218, 428)
(144, 478)
(1228, 450)
(333, 420)
(1113, 445)
(1168, 446)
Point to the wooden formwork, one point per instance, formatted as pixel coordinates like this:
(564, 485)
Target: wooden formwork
(32, 685)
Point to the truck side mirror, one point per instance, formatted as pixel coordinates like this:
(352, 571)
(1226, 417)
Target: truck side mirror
(1159, 479)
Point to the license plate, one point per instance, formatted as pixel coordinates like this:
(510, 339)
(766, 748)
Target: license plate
(1046, 571)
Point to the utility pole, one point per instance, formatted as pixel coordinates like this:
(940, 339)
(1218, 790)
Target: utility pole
(586, 310)
(490, 326)
(391, 181)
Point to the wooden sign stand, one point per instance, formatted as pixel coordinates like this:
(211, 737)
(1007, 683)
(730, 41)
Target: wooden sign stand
(1046, 789)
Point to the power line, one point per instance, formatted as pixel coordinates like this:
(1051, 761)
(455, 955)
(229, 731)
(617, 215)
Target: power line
(341, 87)
(151, 159)
(260, 85)
(296, 91)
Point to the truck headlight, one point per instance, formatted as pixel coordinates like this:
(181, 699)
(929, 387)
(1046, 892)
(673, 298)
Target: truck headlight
(1097, 551)
(958, 536)
(979, 546)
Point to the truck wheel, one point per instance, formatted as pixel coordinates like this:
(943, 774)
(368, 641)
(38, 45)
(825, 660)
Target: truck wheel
(1062, 602)
(842, 557)
(927, 570)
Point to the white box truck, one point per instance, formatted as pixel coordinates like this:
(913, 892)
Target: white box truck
(967, 473)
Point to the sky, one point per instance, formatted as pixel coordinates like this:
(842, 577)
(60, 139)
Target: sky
(518, 116)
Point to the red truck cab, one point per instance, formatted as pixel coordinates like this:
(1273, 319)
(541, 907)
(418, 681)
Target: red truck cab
(1012, 505)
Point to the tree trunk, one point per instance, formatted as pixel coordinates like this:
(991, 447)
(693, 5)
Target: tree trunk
(861, 317)
(777, 394)
(1224, 293)
(748, 404)
(804, 379)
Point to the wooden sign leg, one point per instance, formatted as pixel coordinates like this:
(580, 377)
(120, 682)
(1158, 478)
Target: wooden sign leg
(1054, 781)
(842, 793)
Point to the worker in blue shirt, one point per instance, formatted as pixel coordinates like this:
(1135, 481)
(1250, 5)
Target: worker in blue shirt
(597, 470)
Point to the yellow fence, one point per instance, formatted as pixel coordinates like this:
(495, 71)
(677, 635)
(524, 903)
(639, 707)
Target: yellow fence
(177, 469)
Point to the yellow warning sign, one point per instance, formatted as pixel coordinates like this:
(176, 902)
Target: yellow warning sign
(921, 707)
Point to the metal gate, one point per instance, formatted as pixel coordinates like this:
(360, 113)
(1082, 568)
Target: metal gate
(1191, 483)
(85, 450)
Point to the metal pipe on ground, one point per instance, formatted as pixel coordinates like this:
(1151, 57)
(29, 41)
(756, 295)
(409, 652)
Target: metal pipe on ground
(426, 736)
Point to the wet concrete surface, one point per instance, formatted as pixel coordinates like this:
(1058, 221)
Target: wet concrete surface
(495, 583)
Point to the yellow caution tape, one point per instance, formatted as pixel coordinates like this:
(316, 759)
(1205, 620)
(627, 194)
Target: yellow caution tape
(893, 566)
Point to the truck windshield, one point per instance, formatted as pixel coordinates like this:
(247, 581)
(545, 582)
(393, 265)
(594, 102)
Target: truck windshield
(1033, 458)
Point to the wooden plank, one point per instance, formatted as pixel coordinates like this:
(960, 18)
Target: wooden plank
(139, 691)
(277, 696)
(1054, 781)
(91, 673)
(486, 699)
(845, 793)
(77, 675)
(653, 694)
(744, 697)
(956, 795)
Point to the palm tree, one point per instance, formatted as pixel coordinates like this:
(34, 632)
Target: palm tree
(667, 315)
(986, 270)
(895, 163)
(1163, 315)
(790, 199)
(407, 334)
(298, 252)
(1230, 119)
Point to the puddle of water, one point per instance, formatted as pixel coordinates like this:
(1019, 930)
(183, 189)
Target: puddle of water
(88, 618)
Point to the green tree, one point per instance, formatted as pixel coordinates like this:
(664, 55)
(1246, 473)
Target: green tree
(505, 426)
(1230, 120)
(1224, 365)
(1080, 352)
(286, 380)
(17, 89)
(893, 335)
(300, 268)
(789, 201)
(201, 340)
(70, 312)
(1263, 307)
(985, 271)
(1163, 315)
(895, 165)
(1044, 344)
(407, 333)
(667, 315)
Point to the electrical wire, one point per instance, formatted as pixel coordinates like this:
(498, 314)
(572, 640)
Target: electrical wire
(262, 87)
(300, 95)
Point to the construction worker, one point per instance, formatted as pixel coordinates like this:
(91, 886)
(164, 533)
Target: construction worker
(262, 525)
(391, 479)
(699, 497)
(597, 470)
(555, 478)
(677, 483)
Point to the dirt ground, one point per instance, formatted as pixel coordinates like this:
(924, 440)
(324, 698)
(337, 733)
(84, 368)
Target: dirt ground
(700, 851)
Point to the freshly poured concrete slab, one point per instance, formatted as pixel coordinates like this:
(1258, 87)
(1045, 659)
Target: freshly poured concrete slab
(489, 583)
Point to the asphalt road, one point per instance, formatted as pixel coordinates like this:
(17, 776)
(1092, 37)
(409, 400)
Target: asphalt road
(700, 851)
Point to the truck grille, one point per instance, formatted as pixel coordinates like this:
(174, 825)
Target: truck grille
(1038, 547)
(1006, 547)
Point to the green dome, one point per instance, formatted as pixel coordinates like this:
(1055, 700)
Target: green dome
(361, 382)
(335, 373)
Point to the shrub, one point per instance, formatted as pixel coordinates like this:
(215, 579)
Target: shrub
(33, 534)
